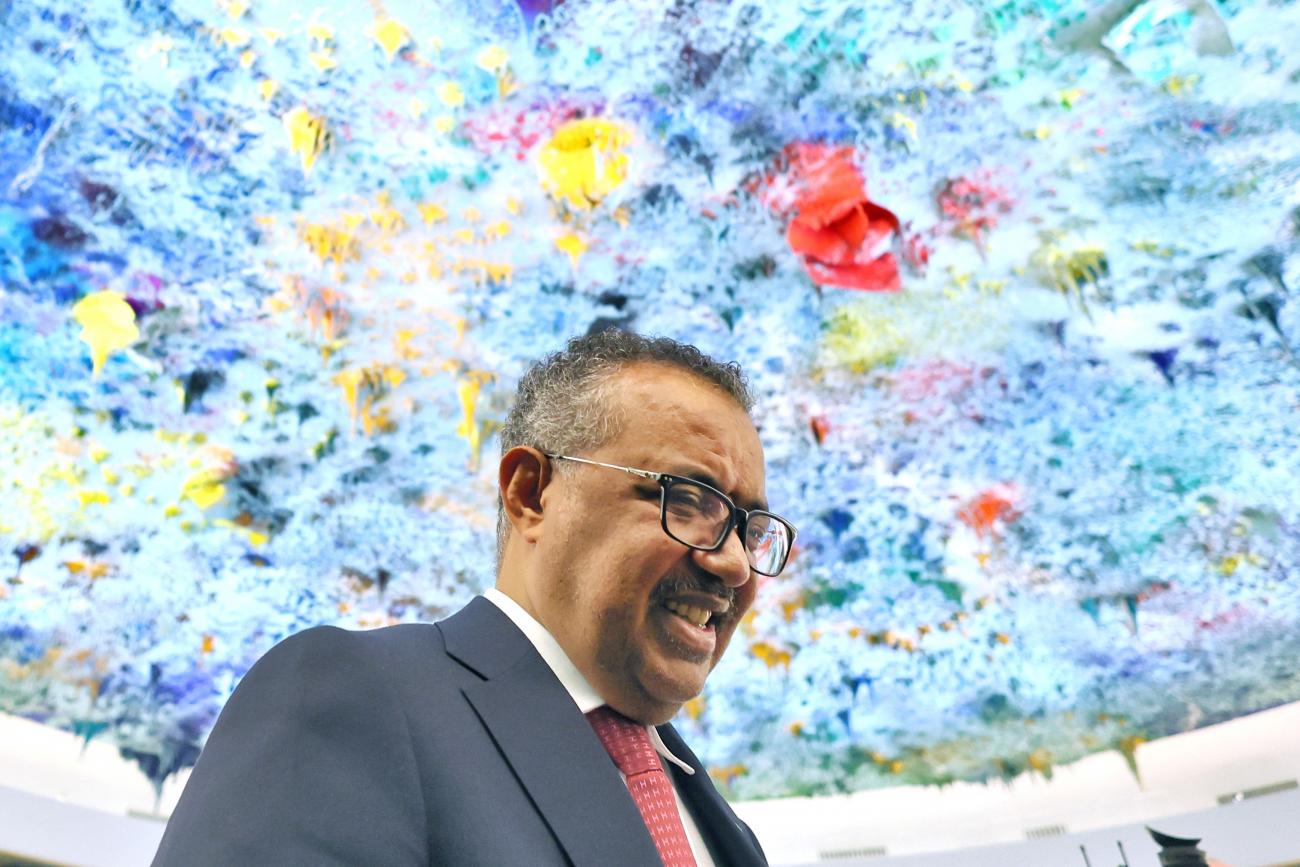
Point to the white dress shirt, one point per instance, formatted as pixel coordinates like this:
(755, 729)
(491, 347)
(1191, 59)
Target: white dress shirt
(587, 699)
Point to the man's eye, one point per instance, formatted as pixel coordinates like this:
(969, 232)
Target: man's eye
(684, 497)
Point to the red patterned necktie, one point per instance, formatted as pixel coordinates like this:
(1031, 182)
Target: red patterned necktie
(628, 744)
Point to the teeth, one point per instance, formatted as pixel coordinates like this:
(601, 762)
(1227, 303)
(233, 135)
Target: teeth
(698, 616)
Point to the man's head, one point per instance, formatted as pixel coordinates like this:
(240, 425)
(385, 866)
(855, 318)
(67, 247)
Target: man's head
(582, 547)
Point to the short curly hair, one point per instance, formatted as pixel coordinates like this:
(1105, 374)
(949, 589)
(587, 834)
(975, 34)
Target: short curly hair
(563, 401)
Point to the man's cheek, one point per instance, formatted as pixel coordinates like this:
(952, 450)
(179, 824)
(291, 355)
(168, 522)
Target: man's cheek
(745, 597)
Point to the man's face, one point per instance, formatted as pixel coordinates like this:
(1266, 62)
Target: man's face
(607, 571)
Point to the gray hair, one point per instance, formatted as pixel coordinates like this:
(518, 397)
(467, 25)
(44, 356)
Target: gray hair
(563, 404)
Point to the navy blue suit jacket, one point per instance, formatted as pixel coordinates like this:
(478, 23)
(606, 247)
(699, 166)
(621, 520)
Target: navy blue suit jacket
(448, 743)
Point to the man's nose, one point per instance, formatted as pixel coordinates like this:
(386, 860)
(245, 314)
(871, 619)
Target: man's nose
(728, 563)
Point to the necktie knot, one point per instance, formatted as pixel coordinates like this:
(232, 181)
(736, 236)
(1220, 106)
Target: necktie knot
(626, 741)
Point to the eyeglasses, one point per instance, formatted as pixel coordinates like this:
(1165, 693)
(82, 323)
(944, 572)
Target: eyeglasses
(700, 517)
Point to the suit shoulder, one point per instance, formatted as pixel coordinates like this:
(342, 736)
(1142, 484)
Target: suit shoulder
(402, 641)
(339, 650)
(332, 637)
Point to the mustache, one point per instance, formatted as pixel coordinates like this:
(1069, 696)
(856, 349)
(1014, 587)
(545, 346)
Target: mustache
(679, 584)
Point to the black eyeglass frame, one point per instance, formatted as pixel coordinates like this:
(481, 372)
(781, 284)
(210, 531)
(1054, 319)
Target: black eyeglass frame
(667, 480)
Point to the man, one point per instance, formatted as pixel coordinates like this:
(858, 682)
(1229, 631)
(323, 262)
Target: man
(632, 530)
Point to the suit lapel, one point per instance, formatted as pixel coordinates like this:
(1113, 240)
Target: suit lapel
(548, 744)
(729, 841)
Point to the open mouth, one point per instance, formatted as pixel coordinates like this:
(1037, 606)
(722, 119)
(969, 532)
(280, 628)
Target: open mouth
(701, 618)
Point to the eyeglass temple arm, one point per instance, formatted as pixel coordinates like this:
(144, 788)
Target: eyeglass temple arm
(645, 474)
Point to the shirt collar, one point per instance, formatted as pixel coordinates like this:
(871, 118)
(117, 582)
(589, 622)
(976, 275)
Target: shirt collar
(584, 695)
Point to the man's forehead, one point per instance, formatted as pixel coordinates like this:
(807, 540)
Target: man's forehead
(693, 425)
(696, 404)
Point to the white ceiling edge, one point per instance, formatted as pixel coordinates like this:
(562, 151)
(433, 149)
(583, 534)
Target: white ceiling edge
(1181, 774)
(66, 786)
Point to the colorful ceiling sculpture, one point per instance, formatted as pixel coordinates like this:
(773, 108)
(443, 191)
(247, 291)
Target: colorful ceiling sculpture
(1014, 281)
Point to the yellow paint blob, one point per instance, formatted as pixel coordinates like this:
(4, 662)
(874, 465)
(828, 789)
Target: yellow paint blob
(468, 391)
(771, 655)
(234, 37)
(431, 213)
(572, 244)
(107, 325)
(492, 59)
(322, 60)
(391, 35)
(450, 94)
(308, 136)
(585, 161)
(204, 488)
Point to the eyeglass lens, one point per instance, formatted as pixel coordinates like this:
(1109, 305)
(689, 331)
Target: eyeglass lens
(698, 517)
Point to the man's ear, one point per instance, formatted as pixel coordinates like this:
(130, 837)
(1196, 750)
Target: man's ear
(522, 476)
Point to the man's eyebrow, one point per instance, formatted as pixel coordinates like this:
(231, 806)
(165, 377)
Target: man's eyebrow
(703, 476)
